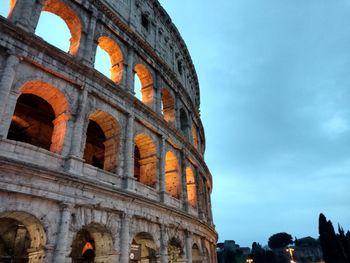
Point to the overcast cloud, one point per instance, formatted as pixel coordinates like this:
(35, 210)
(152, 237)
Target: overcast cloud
(275, 102)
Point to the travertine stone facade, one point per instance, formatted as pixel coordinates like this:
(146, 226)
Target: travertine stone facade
(88, 172)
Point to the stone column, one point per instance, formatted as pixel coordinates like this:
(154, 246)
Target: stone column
(162, 169)
(7, 76)
(26, 13)
(60, 253)
(125, 238)
(128, 73)
(205, 193)
(177, 111)
(183, 180)
(200, 193)
(74, 162)
(196, 175)
(88, 46)
(129, 154)
(163, 245)
(158, 95)
(189, 246)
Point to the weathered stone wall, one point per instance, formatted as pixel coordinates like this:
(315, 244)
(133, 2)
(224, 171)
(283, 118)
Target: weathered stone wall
(63, 200)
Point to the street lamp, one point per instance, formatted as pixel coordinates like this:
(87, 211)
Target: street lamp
(249, 260)
(290, 251)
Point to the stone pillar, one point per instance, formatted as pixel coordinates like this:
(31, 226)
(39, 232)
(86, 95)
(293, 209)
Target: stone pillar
(7, 76)
(74, 162)
(196, 175)
(129, 154)
(205, 193)
(163, 245)
(162, 169)
(26, 13)
(48, 253)
(62, 235)
(129, 73)
(158, 95)
(88, 46)
(177, 111)
(183, 180)
(200, 195)
(189, 246)
(125, 238)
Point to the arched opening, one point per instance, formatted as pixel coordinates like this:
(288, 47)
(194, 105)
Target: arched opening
(40, 116)
(32, 121)
(191, 187)
(71, 21)
(172, 175)
(184, 123)
(22, 238)
(6, 8)
(194, 135)
(175, 251)
(145, 158)
(168, 106)
(146, 84)
(102, 141)
(92, 244)
(143, 249)
(115, 54)
(196, 254)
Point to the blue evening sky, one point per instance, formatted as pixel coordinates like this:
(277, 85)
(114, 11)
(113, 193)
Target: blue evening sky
(275, 103)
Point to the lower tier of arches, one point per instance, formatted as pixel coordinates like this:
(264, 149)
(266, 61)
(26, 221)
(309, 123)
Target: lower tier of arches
(61, 222)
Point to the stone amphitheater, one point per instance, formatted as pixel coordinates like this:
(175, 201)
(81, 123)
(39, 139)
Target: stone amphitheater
(89, 172)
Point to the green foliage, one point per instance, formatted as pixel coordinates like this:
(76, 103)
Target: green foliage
(280, 240)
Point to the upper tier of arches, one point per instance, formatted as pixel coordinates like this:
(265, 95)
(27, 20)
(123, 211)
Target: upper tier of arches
(125, 64)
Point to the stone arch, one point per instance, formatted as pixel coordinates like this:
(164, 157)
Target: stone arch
(71, 19)
(25, 232)
(11, 7)
(175, 251)
(92, 243)
(196, 254)
(144, 248)
(168, 105)
(146, 79)
(184, 122)
(191, 187)
(172, 175)
(116, 57)
(145, 160)
(57, 103)
(102, 141)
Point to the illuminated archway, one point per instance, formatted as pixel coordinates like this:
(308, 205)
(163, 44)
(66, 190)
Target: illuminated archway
(22, 238)
(168, 105)
(102, 141)
(172, 175)
(93, 243)
(145, 158)
(175, 251)
(196, 254)
(143, 248)
(146, 80)
(191, 187)
(70, 18)
(40, 116)
(12, 4)
(116, 57)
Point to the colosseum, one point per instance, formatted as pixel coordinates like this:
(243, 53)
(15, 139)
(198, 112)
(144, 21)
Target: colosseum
(90, 172)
